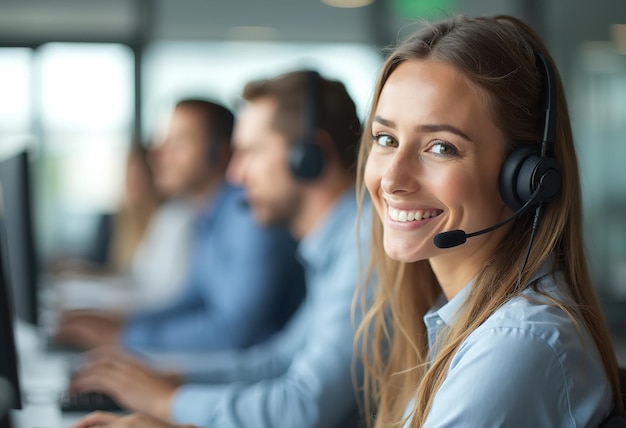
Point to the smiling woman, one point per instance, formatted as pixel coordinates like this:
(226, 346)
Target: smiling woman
(511, 334)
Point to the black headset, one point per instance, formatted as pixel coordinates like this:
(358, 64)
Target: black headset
(215, 147)
(530, 171)
(306, 161)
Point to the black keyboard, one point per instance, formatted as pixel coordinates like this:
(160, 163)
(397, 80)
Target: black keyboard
(87, 402)
(55, 347)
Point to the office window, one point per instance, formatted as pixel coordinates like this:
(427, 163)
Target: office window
(599, 121)
(219, 70)
(15, 99)
(85, 96)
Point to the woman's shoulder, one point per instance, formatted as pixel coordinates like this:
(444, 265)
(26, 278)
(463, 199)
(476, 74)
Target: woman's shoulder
(545, 311)
(542, 321)
(549, 352)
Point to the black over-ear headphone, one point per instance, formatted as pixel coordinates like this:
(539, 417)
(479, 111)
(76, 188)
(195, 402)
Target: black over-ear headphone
(214, 151)
(530, 165)
(305, 155)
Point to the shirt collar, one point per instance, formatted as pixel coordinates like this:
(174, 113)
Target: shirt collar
(449, 311)
(313, 249)
(209, 210)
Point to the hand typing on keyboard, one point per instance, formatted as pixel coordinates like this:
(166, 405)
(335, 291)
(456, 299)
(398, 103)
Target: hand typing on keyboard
(126, 381)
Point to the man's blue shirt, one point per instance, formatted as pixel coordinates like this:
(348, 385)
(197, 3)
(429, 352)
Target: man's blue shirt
(244, 282)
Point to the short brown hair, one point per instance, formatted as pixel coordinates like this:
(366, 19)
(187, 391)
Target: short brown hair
(218, 119)
(336, 111)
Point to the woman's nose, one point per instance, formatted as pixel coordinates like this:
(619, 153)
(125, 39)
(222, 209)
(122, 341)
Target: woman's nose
(401, 174)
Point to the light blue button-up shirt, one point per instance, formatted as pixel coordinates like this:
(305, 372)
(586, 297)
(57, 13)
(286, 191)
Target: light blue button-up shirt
(525, 366)
(244, 282)
(302, 377)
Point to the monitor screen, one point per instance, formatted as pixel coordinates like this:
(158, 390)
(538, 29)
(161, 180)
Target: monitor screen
(8, 353)
(7, 397)
(16, 209)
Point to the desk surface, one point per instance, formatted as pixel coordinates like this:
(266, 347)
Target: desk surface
(43, 376)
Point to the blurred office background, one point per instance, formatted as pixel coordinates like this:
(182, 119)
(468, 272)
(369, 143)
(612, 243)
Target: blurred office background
(80, 78)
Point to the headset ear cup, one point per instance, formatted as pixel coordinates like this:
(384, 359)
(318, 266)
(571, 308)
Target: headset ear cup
(547, 174)
(522, 173)
(214, 153)
(516, 175)
(306, 161)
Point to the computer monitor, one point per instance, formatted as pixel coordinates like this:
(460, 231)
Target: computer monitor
(8, 353)
(16, 210)
(6, 402)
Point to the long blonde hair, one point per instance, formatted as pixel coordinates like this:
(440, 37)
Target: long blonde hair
(496, 54)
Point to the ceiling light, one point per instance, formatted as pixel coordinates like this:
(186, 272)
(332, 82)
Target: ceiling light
(347, 3)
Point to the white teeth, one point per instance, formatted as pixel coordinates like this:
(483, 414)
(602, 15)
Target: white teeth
(416, 215)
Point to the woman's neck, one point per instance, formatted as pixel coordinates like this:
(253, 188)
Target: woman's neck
(456, 267)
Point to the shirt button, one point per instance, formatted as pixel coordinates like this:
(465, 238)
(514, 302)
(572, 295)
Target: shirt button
(439, 322)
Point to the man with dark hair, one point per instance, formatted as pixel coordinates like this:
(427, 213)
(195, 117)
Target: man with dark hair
(243, 279)
(295, 154)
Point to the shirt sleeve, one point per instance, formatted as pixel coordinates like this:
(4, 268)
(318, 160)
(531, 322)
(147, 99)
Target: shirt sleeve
(317, 388)
(145, 329)
(269, 359)
(504, 377)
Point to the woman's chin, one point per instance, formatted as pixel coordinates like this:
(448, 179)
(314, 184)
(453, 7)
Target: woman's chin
(403, 254)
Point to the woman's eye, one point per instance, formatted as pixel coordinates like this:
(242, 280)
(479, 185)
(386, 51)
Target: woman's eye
(384, 140)
(443, 149)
